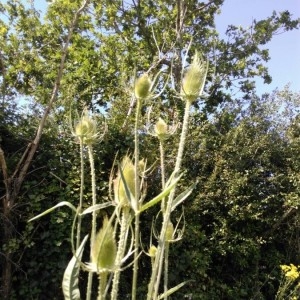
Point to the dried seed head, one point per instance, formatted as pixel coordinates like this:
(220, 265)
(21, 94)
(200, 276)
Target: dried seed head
(86, 129)
(194, 79)
(104, 248)
(142, 87)
(128, 171)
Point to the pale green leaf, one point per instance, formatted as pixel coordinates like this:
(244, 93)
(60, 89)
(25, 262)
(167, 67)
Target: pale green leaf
(172, 290)
(70, 280)
(96, 207)
(162, 195)
(180, 198)
(63, 203)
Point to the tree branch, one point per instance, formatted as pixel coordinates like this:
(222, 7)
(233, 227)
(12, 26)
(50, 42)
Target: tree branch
(23, 168)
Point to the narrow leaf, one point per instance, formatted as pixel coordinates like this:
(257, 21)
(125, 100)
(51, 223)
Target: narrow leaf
(172, 290)
(162, 195)
(96, 207)
(180, 198)
(63, 203)
(70, 280)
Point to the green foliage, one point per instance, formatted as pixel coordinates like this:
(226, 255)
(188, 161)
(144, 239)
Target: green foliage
(242, 218)
(243, 167)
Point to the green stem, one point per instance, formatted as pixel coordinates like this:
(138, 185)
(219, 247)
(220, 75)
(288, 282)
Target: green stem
(102, 285)
(93, 231)
(121, 250)
(162, 168)
(137, 196)
(155, 276)
(166, 269)
(163, 207)
(163, 182)
(81, 196)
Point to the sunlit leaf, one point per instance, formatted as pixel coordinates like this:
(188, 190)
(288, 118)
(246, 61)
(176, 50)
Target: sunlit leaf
(70, 280)
(60, 204)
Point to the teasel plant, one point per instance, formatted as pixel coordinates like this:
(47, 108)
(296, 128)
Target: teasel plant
(116, 246)
(193, 81)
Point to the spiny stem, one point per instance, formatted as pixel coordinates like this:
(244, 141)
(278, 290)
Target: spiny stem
(166, 268)
(163, 182)
(81, 195)
(125, 219)
(93, 231)
(162, 168)
(162, 163)
(102, 285)
(137, 196)
(155, 276)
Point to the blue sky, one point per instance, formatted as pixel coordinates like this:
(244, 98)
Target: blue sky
(284, 65)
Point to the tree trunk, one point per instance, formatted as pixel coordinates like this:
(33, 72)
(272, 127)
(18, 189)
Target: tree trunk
(8, 234)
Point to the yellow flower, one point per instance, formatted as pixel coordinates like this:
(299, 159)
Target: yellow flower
(284, 268)
(292, 273)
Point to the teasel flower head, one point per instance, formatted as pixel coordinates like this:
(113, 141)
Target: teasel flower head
(142, 87)
(86, 129)
(152, 251)
(104, 248)
(124, 184)
(162, 130)
(194, 79)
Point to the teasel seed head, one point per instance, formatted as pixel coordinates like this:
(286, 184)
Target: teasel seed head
(152, 251)
(86, 129)
(128, 171)
(161, 129)
(104, 248)
(194, 79)
(142, 87)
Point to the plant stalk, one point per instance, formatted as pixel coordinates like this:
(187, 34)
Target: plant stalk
(93, 230)
(137, 197)
(78, 235)
(163, 174)
(166, 269)
(125, 219)
(102, 285)
(155, 276)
